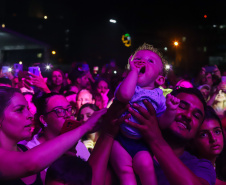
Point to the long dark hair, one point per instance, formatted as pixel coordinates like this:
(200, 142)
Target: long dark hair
(6, 94)
(210, 114)
(90, 105)
(63, 85)
(41, 105)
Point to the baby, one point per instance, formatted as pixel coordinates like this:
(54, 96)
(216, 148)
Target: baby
(130, 155)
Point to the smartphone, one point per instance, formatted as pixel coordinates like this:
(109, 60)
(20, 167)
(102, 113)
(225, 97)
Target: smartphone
(210, 69)
(70, 125)
(34, 70)
(5, 69)
(17, 68)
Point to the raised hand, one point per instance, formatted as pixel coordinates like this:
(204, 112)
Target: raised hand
(172, 102)
(132, 64)
(94, 122)
(112, 120)
(148, 127)
(38, 81)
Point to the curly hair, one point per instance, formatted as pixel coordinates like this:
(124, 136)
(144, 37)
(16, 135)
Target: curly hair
(149, 47)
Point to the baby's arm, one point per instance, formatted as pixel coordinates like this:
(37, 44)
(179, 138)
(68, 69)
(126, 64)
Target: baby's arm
(127, 88)
(169, 115)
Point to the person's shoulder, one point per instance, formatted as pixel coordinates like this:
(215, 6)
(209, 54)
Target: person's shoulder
(192, 161)
(187, 156)
(202, 168)
(33, 142)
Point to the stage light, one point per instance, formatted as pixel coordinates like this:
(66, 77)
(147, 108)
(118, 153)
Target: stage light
(48, 67)
(113, 21)
(176, 43)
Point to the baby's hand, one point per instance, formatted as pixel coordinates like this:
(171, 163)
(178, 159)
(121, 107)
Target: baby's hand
(172, 102)
(132, 64)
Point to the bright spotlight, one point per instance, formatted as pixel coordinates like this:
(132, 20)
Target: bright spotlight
(176, 43)
(115, 72)
(113, 21)
(10, 69)
(167, 67)
(48, 67)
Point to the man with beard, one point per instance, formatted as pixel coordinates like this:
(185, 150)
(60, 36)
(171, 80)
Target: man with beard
(173, 165)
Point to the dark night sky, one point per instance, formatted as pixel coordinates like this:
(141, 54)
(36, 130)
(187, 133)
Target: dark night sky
(91, 37)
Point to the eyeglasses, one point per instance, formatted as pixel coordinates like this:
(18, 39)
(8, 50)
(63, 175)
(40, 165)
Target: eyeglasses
(61, 112)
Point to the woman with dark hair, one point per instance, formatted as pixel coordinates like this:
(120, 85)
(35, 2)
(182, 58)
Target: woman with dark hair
(209, 143)
(53, 110)
(57, 81)
(20, 165)
(85, 112)
(102, 93)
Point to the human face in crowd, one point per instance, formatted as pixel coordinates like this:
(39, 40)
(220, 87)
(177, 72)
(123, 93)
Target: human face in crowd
(31, 105)
(152, 66)
(189, 116)
(205, 92)
(84, 81)
(17, 123)
(55, 123)
(84, 97)
(208, 79)
(86, 113)
(99, 102)
(102, 87)
(221, 96)
(57, 78)
(209, 139)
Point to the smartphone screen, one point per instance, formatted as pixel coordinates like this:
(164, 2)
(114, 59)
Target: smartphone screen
(5, 69)
(34, 70)
(69, 125)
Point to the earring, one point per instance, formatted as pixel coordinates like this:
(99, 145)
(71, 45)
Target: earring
(45, 124)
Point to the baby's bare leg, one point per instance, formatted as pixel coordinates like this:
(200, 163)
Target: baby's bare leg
(143, 166)
(121, 162)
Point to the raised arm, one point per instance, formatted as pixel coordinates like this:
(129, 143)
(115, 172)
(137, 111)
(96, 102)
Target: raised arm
(175, 171)
(101, 152)
(126, 89)
(37, 81)
(21, 164)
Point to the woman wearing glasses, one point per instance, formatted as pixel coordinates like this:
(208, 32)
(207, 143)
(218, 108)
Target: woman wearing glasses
(53, 110)
(20, 165)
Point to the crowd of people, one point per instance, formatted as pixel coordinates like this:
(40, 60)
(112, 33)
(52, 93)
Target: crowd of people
(144, 125)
